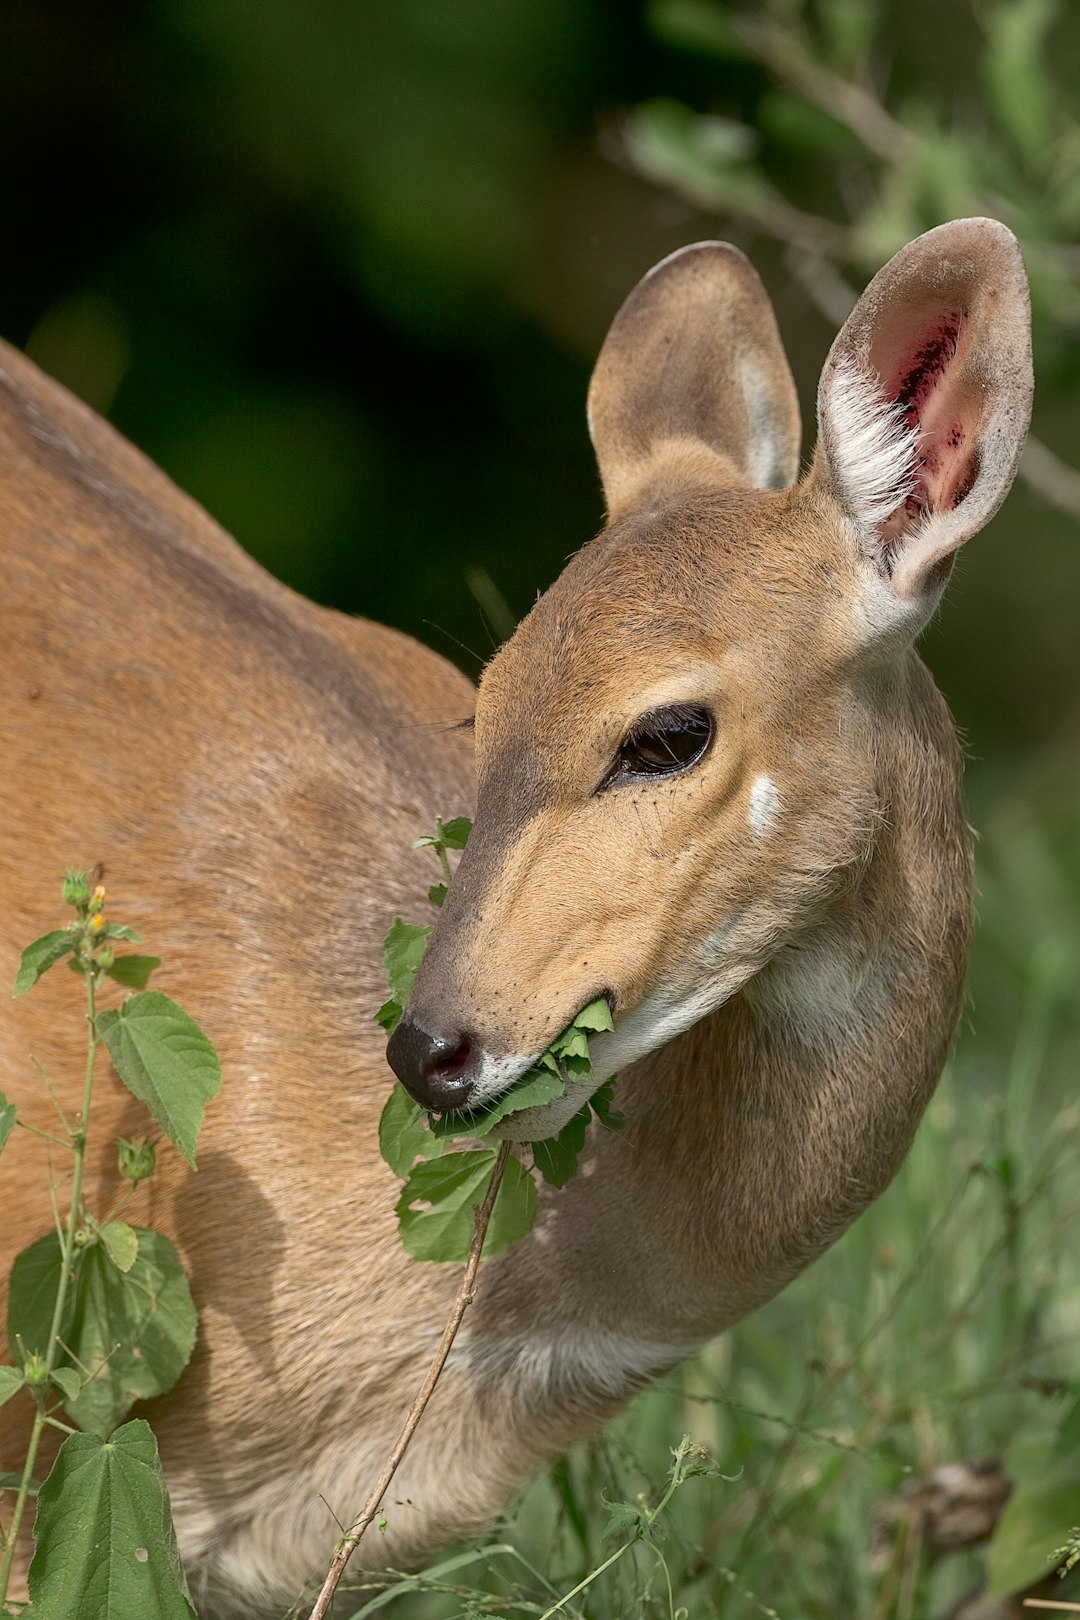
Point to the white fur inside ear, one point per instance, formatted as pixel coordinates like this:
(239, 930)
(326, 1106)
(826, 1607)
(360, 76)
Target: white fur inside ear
(872, 450)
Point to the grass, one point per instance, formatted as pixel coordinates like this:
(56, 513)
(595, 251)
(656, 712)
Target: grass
(944, 1327)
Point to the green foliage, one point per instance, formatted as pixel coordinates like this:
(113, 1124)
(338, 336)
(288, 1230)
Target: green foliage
(896, 161)
(165, 1060)
(435, 1210)
(43, 954)
(99, 1311)
(7, 1119)
(403, 1133)
(133, 971)
(403, 950)
(105, 1542)
(1042, 1509)
(11, 1380)
(939, 1330)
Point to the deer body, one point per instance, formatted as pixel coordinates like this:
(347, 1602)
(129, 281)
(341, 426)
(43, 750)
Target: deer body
(780, 922)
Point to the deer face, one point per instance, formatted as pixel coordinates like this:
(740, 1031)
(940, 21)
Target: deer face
(675, 751)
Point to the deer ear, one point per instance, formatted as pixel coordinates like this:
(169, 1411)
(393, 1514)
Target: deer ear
(924, 402)
(693, 367)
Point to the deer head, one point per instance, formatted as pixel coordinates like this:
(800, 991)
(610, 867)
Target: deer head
(677, 751)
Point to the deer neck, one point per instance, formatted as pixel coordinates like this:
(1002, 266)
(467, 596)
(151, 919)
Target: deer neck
(756, 1137)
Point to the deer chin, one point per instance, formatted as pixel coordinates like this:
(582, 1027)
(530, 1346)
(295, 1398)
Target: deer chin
(665, 1013)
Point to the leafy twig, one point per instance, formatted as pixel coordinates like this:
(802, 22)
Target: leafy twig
(465, 1294)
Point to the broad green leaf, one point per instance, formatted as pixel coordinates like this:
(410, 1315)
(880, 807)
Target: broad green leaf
(7, 1118)
(1037, 1518)
(437, 893)
(403, 949)
(11, 1381)
(105, 1542)
(121, 1244)
(13, 1482)
(531, 1091)
(403, 1135)
(455, 833)
(132, 1331)
(165, 1060)
(557, 1157)
(133, 971)
(67, 1381)
(35, 1276)
(43, 954)
(450, 1188)
(121, 931)
(137, 1327)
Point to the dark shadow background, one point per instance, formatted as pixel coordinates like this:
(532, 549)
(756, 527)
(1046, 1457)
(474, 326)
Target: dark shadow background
(341, 267)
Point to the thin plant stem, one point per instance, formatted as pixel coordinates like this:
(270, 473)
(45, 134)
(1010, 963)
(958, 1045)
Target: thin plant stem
(351, 1539)
(78, 1148)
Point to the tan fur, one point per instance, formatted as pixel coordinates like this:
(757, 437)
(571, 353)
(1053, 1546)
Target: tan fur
(251, 770)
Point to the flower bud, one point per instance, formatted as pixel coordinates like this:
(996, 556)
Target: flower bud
(135, 1160)
(76, 889)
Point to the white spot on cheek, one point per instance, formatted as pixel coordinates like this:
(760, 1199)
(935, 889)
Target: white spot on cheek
(764, 806)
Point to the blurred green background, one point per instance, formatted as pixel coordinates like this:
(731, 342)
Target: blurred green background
(341, 266)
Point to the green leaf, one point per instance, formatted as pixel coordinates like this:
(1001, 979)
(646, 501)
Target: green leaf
(596, 1016)
(1037, 1518)
(105, 1542)
(627, 1519)
(7, 1119)
(403, 949)
(557, 1157)
(455, 833)
(13, 1482)
(133, 971)
(403, 1135)
(35, 1276)
(437, 893)
(602, 1104)
(43, 954)
(121, 1244)
(165, 1060)
(389, 1015)
(533, 1090)
(137, 1326)
(132, 1331)
(121, 931)
(451, 1187)
(68, 1381)
(11, 1381)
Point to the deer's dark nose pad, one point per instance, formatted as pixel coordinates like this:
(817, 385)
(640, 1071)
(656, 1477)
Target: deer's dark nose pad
(437, 1070)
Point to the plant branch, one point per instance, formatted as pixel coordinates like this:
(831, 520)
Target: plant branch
(78, 1146)
(464, 1298)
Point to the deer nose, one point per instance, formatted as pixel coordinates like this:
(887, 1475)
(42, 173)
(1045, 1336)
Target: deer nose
(434, 1069)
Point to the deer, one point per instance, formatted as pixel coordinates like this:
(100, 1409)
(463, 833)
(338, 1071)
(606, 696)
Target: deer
(712, 781)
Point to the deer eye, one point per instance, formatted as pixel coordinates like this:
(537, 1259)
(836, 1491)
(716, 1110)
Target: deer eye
(662, 743)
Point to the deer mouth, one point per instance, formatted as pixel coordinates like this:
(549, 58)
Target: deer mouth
(544, 1081)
